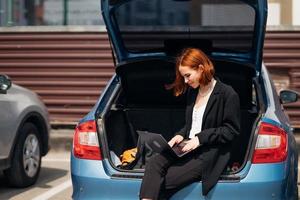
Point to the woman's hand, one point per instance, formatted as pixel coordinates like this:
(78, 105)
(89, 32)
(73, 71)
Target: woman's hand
(191, 144)
(175, 140)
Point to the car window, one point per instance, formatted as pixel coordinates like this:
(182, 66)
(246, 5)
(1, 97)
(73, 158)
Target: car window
(229, 25)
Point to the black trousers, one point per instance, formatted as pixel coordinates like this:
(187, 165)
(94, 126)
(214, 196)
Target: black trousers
(165, 175)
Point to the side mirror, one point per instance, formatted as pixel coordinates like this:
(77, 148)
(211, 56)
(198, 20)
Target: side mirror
(288, 96)
(5, 83)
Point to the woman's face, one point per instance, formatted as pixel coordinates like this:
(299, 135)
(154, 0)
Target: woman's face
(191, 76)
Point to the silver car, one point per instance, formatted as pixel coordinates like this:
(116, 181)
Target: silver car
(24, 133)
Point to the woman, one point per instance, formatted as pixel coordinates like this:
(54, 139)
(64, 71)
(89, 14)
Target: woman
(212, 122)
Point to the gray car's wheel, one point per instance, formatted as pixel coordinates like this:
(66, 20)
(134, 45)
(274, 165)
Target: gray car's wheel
(26, 159)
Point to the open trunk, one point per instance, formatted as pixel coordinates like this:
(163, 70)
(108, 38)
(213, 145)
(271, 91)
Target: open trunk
(143, 103)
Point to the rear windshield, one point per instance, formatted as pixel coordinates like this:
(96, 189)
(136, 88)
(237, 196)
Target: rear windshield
(150, 25)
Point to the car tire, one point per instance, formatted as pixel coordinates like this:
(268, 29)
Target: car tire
(26, 158)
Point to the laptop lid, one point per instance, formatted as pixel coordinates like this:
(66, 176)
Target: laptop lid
(158, 144)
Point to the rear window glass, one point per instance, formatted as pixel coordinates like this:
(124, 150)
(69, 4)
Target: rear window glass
(148, 25)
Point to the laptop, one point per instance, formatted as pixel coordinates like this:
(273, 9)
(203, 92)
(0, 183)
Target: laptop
(159, 144)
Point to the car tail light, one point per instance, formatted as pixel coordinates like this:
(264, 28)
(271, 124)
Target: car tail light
(271, 144)
(86, 144)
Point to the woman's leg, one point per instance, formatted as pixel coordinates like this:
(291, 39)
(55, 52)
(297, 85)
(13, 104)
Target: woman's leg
(155, 171)
(180, 175)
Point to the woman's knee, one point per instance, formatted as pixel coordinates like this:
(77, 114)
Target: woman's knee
(158, 163)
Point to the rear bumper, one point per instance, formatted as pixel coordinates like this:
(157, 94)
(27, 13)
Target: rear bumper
(90, 181)
(262, 182)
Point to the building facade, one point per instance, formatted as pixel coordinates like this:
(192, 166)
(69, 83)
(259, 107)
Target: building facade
(87, 12)
(60, 48)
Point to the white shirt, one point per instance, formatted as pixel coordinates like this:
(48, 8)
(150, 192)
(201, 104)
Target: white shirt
(197, 117)
(197, 120)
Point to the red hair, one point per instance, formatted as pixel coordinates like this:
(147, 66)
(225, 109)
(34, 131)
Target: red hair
(192, 57)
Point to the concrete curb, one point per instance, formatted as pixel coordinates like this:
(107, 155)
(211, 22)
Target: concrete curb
(61, 139)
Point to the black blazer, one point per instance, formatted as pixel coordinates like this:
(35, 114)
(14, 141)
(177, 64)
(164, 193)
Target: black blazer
(220, 125)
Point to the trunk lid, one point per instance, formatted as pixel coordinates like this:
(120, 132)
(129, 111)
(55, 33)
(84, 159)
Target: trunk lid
(225, 29)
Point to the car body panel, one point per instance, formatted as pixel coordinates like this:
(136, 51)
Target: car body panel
(14, 113)
(257, 181)
(94, 179)
(263, 181)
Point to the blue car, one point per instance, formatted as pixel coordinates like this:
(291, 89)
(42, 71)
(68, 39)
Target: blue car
(146, 36)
